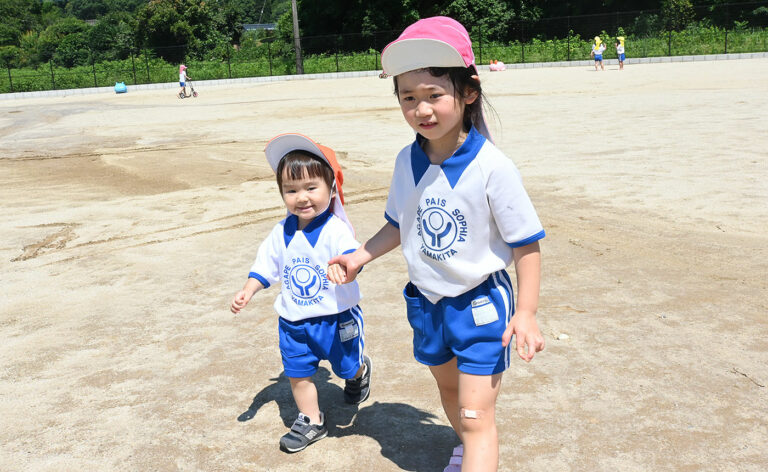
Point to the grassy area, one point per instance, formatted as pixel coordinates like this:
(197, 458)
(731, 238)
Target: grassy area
(259, 61)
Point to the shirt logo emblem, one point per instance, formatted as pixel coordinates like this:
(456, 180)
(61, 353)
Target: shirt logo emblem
(440, 229)
(305, 282)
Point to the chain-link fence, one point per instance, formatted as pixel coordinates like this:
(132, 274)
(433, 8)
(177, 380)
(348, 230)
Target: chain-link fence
(729, 28)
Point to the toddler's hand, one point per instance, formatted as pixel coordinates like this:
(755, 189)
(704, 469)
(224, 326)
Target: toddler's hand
(344, 269)
(238, 303)
(336, 274)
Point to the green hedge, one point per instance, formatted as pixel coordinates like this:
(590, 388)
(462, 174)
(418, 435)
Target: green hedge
(263, 60)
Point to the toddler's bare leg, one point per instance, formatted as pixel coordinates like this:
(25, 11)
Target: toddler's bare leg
(305, 395)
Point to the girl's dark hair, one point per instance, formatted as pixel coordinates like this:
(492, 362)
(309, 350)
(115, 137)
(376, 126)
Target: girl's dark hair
(461, 79)
(302, 164)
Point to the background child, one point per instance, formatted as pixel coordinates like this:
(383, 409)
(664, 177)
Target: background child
(458, 207)
(183, 79)
(318, 320)
(620, 52)
(597, 52)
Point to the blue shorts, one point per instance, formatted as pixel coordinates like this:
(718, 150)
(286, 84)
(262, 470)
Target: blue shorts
(181, 84)
(598, 57)
(468, 327)
(338, 338)
(621, 57)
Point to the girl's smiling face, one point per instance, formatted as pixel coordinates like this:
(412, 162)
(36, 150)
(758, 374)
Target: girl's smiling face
(433, 109)
(306, 198)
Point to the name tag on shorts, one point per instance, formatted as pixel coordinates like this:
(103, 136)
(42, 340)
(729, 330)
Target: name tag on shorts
(483, 311)
(348, 330)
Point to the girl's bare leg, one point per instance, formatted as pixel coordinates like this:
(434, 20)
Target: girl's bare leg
(477, 416)
(447, 378)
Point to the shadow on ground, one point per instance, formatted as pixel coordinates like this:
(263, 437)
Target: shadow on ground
(407, 436)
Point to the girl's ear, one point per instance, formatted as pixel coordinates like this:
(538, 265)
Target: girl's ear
(470, 95)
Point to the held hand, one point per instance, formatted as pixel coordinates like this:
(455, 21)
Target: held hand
(241, 299)
(336, 274)
(527, 333)
(342, 269)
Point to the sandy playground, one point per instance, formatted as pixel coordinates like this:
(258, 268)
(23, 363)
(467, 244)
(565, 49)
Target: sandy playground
(129, 221)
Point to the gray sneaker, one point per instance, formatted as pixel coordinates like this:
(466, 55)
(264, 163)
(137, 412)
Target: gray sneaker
(357, 390)
(303, 433)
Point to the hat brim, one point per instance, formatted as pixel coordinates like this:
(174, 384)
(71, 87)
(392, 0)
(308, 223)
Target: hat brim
(282, 144)
(419, 53)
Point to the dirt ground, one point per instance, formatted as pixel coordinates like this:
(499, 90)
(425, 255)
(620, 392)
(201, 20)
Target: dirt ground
(129, 221)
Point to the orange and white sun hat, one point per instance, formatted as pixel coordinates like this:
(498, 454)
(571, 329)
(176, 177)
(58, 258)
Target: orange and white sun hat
(282, 144)
(438, 41)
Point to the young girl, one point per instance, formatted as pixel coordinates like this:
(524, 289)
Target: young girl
(183, 80)
(458, 207)
(620, 51)
(317, 320)
(597, 52)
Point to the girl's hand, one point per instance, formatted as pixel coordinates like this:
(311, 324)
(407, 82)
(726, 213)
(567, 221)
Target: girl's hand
(343, 269)
(241, 299)
(526, 331)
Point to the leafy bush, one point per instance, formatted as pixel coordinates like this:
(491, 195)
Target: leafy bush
(257, 58)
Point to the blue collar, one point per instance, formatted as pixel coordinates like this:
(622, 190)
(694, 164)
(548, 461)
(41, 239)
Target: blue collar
(452, 167)
(311, 231)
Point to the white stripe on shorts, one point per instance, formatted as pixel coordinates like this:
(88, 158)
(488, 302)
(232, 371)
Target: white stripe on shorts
(506, 293)
(357, 314)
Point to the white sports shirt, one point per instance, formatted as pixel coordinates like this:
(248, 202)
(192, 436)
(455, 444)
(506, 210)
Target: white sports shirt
(459, 220)
(299, 260)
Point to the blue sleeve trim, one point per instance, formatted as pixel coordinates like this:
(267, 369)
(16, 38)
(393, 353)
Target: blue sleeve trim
(254, 275)
(349, 251)
(391, 221)
(529, 240)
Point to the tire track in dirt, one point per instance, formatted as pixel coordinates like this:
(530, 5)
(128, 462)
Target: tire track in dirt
(117, 152)
(56, 243)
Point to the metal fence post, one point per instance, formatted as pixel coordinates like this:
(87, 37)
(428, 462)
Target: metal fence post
(53, 79)
(9, 77)
(726, 41)
(146, 62)
(568, 55)
(336, 53)
(229, 66)
(481, 44)
(133, 64)
(93, 68)
(269, 56)
(669, 43)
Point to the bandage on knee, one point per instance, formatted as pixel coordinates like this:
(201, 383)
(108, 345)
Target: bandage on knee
(471, 414)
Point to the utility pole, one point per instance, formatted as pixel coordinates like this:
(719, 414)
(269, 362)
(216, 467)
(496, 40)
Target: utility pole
(296, 39)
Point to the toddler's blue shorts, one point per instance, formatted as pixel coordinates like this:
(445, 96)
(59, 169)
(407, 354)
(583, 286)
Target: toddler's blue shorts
(598, 57)
(469, 326)
(622, 57)
(338, 338)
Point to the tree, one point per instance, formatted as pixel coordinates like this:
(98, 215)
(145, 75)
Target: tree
(677, 14)
(113, 36)
(194, 26)
(69, 34)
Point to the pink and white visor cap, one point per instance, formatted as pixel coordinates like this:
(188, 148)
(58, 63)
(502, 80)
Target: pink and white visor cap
(282, 144)
(438, 41)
